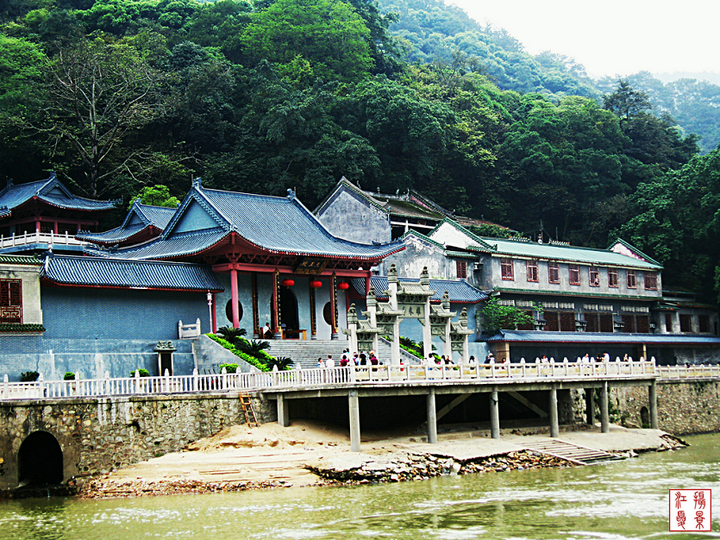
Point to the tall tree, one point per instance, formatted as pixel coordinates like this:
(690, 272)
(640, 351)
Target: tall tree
(98, 94)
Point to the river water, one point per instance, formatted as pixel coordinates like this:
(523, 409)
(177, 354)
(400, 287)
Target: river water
(612, 501)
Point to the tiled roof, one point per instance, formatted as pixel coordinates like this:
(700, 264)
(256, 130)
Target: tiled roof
(149, 216)
(52, 192)
(458, 290)
(599, 338)
(115, 273)
(603, 257)
(20, 259)
(275, 224)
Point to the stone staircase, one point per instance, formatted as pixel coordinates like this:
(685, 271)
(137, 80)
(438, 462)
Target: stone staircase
(572, 452)
(307, 352)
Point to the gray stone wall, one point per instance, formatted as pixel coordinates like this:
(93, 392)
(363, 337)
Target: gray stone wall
(683, 407)
(351, 218)
(98, 435)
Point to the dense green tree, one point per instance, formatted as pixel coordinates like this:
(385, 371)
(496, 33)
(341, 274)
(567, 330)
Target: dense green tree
(157, 195)
(677, 221)
(328, 34)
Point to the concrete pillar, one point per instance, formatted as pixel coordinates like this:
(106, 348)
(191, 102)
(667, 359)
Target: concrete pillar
(431, 417)
(604, 413)
(354, 407)
(654, 424)
(283, 411)
(554, 424)
(589, 406)
(494, 414)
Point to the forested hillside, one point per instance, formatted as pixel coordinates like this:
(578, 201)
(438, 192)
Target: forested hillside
(116, 95)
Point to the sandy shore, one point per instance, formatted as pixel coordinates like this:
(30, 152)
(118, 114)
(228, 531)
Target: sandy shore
(271, 456)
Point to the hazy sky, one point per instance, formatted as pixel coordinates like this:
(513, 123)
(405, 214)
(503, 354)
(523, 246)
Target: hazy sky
(612, 37)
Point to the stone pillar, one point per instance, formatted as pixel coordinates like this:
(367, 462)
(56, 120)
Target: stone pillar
(283, 411)
(431, 417)
(427, 328)
(589, 406)
(604, 413)
(235, 299)
(354, 407)
(554, 424)
(652, 394)
(494, 414)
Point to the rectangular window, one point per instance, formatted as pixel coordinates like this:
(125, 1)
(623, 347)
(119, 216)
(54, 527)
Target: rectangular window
(594, 277)
(552, 321)
(527, 326)
(650, 281)
(685, 322)
(532, 270)
(461, 268)
(631, 279)
(567, 321)
(642, 324)
(704, 323)
(574, 274)
(613, 280)
(606, 323)
(553, 272)
(592, 322)
(10, 301)
(628, 324)
(668, 322)
(506, 267)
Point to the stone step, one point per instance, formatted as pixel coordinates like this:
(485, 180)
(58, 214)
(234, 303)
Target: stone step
(572, 452)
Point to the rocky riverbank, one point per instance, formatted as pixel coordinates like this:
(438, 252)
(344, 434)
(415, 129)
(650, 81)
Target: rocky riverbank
(271, 457)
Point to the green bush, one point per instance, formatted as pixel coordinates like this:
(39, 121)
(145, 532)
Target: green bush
(69, 376)
(229, 368)
(143, 372)
(230, 347)
(29, 376)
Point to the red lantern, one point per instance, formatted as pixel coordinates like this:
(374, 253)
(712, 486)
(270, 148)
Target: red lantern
(343, 286)
(287, 283)
(315, 284)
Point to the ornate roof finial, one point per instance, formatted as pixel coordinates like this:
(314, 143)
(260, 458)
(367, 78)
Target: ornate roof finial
(392, 274)
(10, 182)
(446, 301)
(197, 182)
(352, 315)
(424, 276)
(290, 194)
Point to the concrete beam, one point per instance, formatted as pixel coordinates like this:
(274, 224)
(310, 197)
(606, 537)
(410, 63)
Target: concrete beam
(604, 411)
(494, 414)
(589, 406)
(652, 394)
(354, 408)
(554, 424)
(283, 411)
(534, 408)
(431, 417)
(450, 406)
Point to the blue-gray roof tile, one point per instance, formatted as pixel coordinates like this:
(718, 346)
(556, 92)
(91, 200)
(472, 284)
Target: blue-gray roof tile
(50, 191)
(458, 290)
(115, 273)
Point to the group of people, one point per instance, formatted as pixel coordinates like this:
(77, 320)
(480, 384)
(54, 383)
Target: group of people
(346, 359)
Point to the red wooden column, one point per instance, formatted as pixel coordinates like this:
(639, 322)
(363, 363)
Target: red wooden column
(235, 299)
(276, 304)
(333, 306)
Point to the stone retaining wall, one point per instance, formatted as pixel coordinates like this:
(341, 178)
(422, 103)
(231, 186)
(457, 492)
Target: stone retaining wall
(97, 435)
(684, 407)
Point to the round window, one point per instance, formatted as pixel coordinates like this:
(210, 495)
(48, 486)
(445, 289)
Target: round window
(228, 311)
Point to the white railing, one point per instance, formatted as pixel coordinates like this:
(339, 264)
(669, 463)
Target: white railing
(327, 377)
(39, 237)
(689, 372)
(186, 331)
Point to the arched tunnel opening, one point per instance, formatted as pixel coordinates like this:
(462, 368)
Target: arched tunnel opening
(40, 461)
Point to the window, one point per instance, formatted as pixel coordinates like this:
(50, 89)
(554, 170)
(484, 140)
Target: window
(628, 323)
(10, 301)
(642, 324)
(650, 281)
(559, 321)
(461, 269)
(532, 270)
(631, 279)
(506, 267)
(527, 326)
(594, 277)
(553, 272)
(574, 274)
(668, 322)
(704, 323)
(685, 322)
(606, 323)
(613, 280)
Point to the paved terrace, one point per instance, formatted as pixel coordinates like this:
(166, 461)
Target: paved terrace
(375, 381)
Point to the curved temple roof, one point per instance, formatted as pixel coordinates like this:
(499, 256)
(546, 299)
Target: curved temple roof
(125, 274)
(141, 218)
(280, 225)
